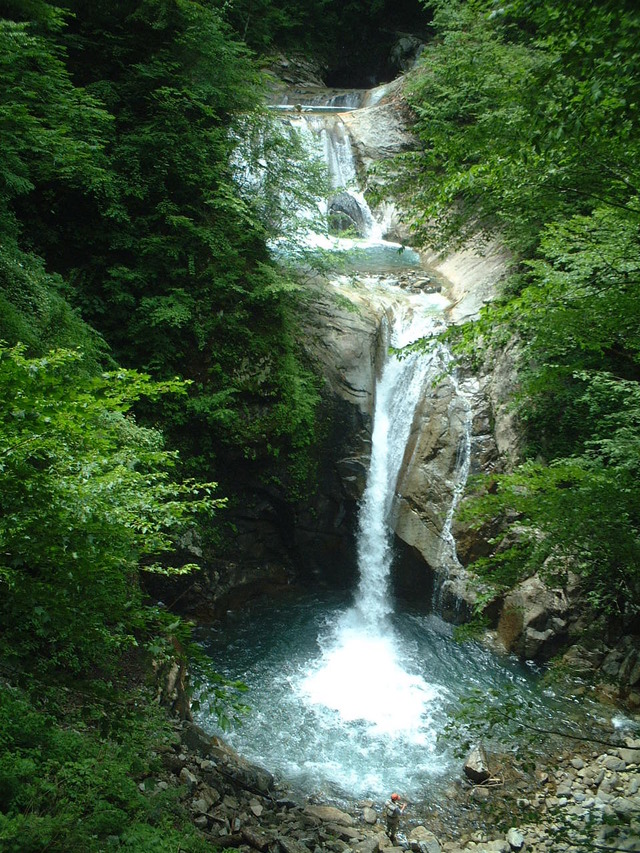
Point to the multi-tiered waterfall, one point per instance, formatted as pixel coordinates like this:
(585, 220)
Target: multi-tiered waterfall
(348, 694)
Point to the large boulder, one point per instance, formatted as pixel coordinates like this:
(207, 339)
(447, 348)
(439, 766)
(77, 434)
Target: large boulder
(346, 214)
(329, 814)
(451, 438)
(422, 840)
(535, 619)
(476, 767)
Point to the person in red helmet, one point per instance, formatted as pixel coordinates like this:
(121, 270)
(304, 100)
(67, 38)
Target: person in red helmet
(393, 808)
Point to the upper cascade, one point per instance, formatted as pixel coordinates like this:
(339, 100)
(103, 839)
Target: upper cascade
(317, 115)
(321, 99)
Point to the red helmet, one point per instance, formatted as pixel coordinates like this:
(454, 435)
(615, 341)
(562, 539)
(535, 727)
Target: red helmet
(395, 797)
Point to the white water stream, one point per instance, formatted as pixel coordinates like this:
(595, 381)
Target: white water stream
(361, 673)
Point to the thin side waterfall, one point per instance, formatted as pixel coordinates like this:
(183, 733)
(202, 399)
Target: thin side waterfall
(448, 556)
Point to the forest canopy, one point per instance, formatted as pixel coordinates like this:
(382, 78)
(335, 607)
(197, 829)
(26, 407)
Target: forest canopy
(141, 313)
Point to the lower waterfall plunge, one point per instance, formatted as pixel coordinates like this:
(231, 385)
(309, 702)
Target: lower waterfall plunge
(360, 674)
(349, 696)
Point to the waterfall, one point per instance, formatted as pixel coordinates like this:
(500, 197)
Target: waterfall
(327, 138)
(448, 557)
(348, 697)
(362, 674)
(461, 472)
(397, 394)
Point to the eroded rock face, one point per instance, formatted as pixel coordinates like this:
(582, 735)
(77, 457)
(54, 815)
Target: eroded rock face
(342, 336)
(381, 128)
(474, 273)
(450, 436)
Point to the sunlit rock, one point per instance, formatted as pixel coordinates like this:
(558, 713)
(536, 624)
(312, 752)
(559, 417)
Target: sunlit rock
(422, 840)
(476, 767)
(329, 814)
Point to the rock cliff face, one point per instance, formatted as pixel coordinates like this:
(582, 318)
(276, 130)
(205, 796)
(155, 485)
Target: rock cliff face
(452, 434)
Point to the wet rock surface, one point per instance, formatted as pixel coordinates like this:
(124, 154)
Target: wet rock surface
(584, 801)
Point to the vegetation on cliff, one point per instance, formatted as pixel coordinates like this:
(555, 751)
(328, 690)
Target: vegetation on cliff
(137, 294)
(528, 118)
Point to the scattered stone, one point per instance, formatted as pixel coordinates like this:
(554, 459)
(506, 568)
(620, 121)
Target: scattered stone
(481, 795)
(369, 845)
(188, 778)
(172, 762)
(256, 808)
(210, 795)
(347, 833)
(370, 815)
(476, 767)
(497, 846)
(625, 806)
(423, 841)
(290, 845)
(256, 838)
(515, 839)
(201, 805)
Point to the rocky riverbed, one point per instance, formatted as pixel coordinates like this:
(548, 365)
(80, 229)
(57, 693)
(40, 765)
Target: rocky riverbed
(586, 801)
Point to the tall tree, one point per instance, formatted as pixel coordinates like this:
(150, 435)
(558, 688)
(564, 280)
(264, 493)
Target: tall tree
(166, 255)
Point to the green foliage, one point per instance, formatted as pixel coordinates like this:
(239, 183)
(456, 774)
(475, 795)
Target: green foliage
(141, 188)
(65, 785)
(526, 113)
(51, 130)
(577, 322)
(85, 498)
(528, 118)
